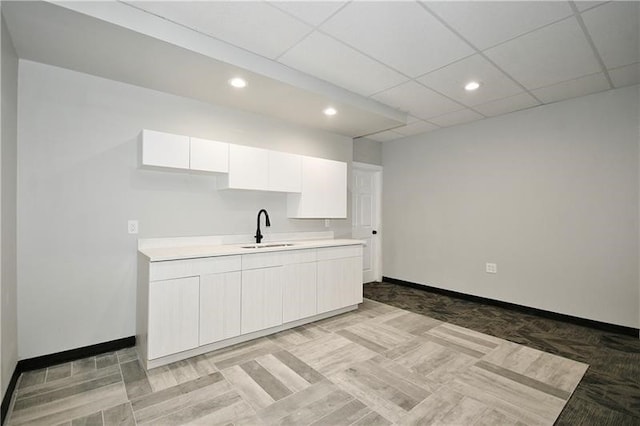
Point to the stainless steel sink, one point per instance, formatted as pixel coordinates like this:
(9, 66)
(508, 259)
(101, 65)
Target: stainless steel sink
(267, 245)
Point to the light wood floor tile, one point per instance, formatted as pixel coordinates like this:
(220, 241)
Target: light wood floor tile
(71, 408)
(83, 366)
(288, 377)
(58, 372)
(272, 413)
(434, 408)
(161, 378)
(347, 414)
(31, 378)
(183, 371)
(162, 396)
(316, 410)
(372, 419)
(238, 413)
(528, 399)
(121, 415)
(135, 379)
(151, 409)
(195, 412)
(42, 388)
(251, 391)
(94, 419)
(65, 392)
(339, 322)
(378, 365)
(369, 333)
(127, 354)
(106, 360)
(468, 411)
(413, 323)
(202, 365)
(243, 352)
(299, 367)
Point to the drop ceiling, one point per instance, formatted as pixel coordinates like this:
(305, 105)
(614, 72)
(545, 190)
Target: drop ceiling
(391, 68)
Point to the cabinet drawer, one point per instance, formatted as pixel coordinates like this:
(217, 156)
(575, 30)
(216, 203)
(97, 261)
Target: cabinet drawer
(339, 252)
(262, 260)
(192, 267)
(299, 256)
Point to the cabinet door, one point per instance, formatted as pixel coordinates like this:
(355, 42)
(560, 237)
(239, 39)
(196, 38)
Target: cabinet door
(324, 190)
(209, 156)
(219, 306)
(339, 283)
(165, 150)
(261, 299)
(285, 172)
(248, 168)
(299, 293)
(173, 316)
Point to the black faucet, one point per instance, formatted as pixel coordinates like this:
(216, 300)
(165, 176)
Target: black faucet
(267, 222)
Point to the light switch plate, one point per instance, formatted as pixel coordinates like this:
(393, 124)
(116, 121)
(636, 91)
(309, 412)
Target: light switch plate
(492, 268)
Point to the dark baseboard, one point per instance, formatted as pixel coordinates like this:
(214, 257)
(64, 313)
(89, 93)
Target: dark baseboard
(6, 401)
(620, 329)
(45, 361)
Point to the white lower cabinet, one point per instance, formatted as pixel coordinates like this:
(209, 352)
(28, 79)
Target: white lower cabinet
(339, 277)
(190, 306)
(220, 304)
(173, 316)
(299, 293)
(261, 299)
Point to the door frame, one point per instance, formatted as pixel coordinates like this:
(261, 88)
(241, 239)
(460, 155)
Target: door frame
(376, 258)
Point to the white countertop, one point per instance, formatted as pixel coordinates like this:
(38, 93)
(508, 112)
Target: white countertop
(160, 254)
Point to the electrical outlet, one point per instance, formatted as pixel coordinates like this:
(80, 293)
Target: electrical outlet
(327, 223)
(491, 268)
(132, 227)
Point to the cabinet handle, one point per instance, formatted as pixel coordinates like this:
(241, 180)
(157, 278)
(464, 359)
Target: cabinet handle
(374, 232)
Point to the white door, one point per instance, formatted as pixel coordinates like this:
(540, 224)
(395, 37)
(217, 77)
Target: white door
(366, 194)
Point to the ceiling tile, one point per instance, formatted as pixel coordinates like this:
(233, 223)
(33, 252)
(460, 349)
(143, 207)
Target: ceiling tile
(451, 79)
(555, 53)
(255, 26)
(573, 88)
(415, 128)
(387, 135)
(503, 106)
(330, 60)
(617, 44)
(402, 35)
(625, 76)
(457, 117)
(417, 100)
(486, 23)
(312, 12)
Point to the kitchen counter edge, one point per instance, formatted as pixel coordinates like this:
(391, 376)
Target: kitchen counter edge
(194, 252)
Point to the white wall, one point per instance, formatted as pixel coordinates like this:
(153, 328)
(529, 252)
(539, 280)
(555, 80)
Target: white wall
(78, 184)
(8, 279)
(367, 151)
(550, 194)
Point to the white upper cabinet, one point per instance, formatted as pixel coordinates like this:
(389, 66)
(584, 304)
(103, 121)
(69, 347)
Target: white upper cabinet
(209, 156)
(263, 170)
(324, 190)
(248, 167)
(285, 172)
(165, 150)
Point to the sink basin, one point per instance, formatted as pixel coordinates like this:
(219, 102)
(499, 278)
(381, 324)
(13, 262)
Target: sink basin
(267, 245)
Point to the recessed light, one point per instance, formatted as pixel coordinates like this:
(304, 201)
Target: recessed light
(471, 86)
(238, 82)
(330, 111)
